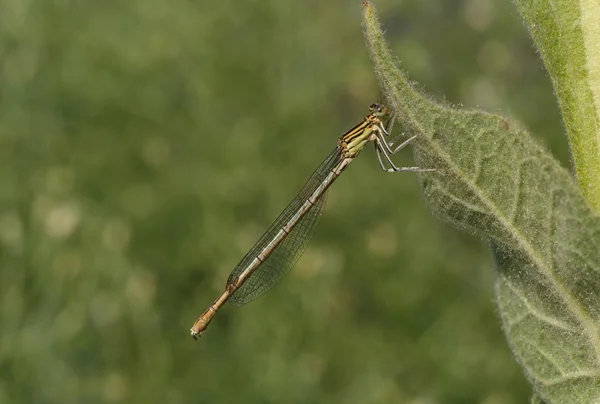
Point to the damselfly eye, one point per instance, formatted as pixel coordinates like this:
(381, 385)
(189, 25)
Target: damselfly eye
(376, 108)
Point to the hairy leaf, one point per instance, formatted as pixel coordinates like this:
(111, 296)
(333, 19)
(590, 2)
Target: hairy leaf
(494, 179)
(567, 34)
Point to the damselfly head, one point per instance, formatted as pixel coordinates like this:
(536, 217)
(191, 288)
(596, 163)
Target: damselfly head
(379, 110)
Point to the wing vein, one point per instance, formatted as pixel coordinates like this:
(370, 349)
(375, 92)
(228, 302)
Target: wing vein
(288, 251)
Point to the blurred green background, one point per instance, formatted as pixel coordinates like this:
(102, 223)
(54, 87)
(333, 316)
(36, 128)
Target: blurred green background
(145, 145)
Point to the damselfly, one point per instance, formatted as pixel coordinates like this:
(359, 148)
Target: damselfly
(279, 248)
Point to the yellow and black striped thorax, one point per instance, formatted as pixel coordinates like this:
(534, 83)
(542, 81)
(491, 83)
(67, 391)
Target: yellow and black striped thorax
(353, 141)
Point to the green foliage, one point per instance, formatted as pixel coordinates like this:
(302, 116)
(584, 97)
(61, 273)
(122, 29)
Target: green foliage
(567, 34)
(494, 179)
(145, 145)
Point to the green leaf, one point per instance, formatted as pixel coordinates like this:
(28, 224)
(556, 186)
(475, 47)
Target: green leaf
(567, 34)
(494, 179)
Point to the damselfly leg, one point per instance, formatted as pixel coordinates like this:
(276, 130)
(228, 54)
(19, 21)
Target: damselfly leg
(389, 149)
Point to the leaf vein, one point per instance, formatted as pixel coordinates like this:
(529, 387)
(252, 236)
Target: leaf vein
(580, 374)
(537, 313)
(588, 325)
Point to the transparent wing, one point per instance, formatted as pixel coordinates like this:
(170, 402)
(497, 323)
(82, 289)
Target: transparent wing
(281, 260)
(287, 253)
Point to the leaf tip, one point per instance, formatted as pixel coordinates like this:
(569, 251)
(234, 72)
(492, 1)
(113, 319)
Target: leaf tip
(368, 10)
